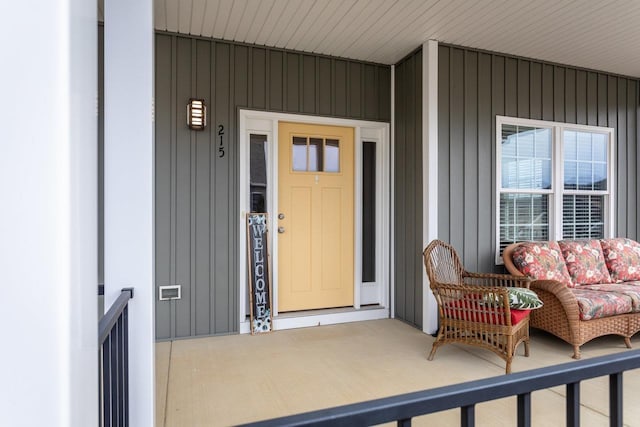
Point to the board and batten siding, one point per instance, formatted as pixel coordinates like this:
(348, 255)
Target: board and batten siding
(407, 189)
(475, 86)
(196, 194)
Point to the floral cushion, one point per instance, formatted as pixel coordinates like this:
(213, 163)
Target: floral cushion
(630, 289)
(595, 304)
(622, 257)
(542, 261)
(585, 261)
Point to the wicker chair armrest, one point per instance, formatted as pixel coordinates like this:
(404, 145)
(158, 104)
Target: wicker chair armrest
(469, 289)
(478, 301)
(562, 293)
(498, 280)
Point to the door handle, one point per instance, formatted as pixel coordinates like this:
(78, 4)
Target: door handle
(280, 230)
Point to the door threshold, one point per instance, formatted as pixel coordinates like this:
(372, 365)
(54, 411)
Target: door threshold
(331, 316)
(321, 311)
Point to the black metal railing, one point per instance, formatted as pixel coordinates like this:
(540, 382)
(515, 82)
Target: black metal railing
(113, 332)
(465, 396)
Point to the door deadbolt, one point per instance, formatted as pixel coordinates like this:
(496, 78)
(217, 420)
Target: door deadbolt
(280, 216)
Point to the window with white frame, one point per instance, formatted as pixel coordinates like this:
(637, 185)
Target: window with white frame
(554, 181)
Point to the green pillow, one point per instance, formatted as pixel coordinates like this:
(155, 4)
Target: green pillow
(521, 299)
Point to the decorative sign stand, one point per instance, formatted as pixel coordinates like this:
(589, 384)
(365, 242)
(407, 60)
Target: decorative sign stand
(259, 279)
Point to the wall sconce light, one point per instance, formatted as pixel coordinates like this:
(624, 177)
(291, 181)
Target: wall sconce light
(196, 114)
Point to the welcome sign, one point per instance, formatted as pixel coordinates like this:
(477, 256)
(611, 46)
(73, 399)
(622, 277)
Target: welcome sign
(259, 281)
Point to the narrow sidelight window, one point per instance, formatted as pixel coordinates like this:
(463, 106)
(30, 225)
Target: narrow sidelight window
(258, 172)
(368, 211)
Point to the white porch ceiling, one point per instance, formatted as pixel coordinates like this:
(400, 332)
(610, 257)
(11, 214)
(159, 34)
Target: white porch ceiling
(597, 34)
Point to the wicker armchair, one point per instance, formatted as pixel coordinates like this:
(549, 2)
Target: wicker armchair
(474, 308)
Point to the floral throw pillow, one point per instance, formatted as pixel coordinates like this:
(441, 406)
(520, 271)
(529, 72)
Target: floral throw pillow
(542, 261)
(585, 261)
(622, 257)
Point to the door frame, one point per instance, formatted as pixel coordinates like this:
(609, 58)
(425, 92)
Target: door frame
(266, 123)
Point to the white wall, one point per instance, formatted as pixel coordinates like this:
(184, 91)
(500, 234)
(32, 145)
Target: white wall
(128, 182)
(48, 213)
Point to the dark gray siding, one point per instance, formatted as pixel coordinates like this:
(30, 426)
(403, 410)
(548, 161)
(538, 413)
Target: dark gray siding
(476, 86)
(196, 190)
(408, 189)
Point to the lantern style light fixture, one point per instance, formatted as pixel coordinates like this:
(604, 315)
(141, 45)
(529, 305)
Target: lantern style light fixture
(196, 114)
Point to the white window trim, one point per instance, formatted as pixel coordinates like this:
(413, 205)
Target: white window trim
(266, 123)
(556, 191)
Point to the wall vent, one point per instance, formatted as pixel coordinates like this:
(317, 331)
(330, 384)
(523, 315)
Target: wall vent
(170, 292)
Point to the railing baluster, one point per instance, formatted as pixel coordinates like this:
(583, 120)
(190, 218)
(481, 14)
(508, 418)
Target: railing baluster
(114, 340)
(125, 365)
(115, 389)
(106, 381)
(468, 416)
(120, 360)
(524, 410)
(573, 404)
(615, 400)
(100, 386)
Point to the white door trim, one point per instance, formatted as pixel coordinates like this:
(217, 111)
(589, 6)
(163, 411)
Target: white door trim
(266, 123)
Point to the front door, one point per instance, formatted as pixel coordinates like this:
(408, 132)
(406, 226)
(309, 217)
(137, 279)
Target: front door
(315, 218)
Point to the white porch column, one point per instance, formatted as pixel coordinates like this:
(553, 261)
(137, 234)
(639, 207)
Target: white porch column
(48, 219)
(429, 171)
(128, 217)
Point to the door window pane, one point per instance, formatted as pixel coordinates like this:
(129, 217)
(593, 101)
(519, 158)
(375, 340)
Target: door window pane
(299, 153)
(332, 155)
(315, 155)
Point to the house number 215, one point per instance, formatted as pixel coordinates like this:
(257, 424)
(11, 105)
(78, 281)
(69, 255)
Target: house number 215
(221, 146)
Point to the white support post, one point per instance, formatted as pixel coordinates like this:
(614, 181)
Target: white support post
(129, 176)
(48, 220)
(429, 172)
(392, 210)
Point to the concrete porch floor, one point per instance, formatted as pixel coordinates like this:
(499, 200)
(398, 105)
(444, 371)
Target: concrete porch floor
(228, 380)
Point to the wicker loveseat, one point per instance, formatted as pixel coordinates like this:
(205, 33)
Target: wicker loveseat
(589, 288)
